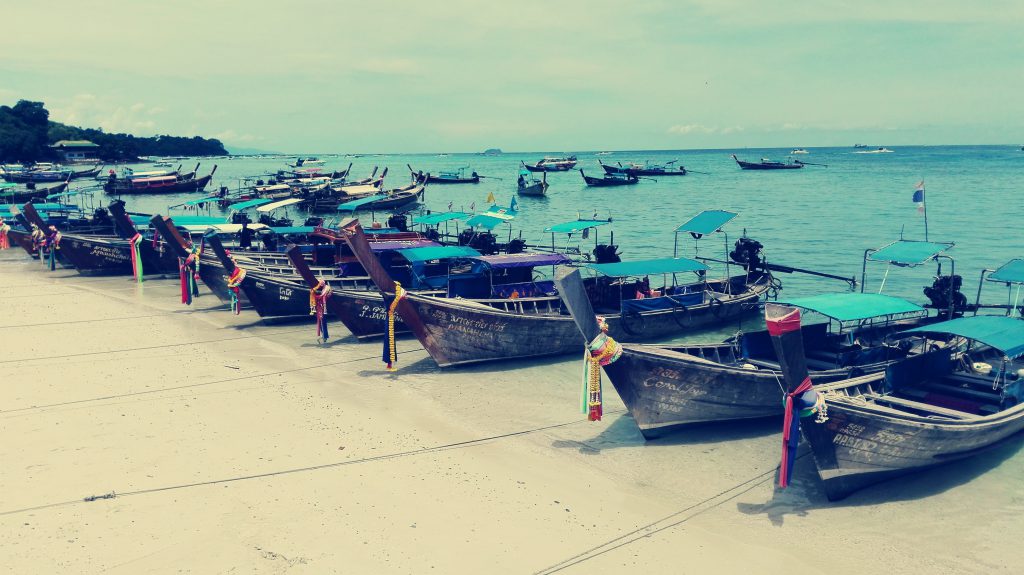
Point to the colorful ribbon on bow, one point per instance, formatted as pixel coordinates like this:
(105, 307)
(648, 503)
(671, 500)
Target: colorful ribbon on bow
(136, 254)
(801, 402)
(318, 297)
(390, 355)
(52, 244)
(234, 282)
(603, 350)
(4, 228)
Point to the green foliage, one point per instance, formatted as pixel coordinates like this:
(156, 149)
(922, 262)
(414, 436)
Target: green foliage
(26, 132)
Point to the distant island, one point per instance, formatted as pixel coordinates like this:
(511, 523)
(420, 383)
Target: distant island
(28, 135)
(492, 152)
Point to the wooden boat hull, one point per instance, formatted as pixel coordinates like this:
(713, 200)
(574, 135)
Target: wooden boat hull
(456, 333)
(22, 239)
(557, 168)
(362, 313)
(609, 181)
(276, 300)
(96, 256)
(182, 186)
(538, 189)
(857, 447)
(429, 179)
(212, 273)
(666, 391)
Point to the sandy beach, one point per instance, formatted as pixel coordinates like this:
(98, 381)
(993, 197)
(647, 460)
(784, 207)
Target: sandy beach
(215, 444)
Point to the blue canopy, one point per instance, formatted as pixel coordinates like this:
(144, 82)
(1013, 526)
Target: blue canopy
(575, 226)
(706, 222)
(438, 252)
(1003, 333)
(1012, 272)
(523, 260)
(645, 267)
(293, 230)
(249, 204)
(355, 204)
(909, 252)
(856, 306)
(439, 218)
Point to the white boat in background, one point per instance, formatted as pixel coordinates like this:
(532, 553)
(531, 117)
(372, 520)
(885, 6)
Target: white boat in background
(878, 151)
(799, 151)
(604, 153)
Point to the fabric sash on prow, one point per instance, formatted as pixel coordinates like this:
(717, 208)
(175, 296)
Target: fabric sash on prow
(787, 338)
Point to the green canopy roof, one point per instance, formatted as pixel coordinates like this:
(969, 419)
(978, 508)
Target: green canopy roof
(62, 195)
(909, 252)
(1012, 272)
(1003, 333)
(645, 267)
(355, 204)
(200, 201)
(706, 222)
(249, 204)
(485, 221)
(439, 218)
(575, 226)
(438, 252)
(855, 306)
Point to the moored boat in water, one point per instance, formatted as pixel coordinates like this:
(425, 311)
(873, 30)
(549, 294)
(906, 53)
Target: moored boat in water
(610, 180)
(766, 164)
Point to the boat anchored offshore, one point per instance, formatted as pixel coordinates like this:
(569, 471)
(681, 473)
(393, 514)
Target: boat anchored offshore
(529, 186)
(457, 176)
(610, 180)
(552, 164)
(766, 164)
(876, 151)
(645, 169)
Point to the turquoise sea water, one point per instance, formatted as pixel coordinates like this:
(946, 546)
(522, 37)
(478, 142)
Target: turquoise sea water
(821, 218)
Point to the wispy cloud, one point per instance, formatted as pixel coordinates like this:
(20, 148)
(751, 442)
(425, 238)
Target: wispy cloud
(685, 129)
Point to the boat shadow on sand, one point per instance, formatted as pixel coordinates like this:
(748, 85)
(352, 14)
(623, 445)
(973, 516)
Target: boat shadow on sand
(806, 492)
(623, 432)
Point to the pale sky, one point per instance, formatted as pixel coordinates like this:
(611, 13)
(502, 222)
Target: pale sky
(524, 75)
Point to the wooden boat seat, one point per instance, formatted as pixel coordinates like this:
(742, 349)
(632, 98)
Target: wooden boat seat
(919, 406)
(956, 390)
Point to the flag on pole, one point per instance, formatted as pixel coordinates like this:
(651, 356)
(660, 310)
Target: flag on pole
(450, 206)
(490, 197)
(919, 196)
(472, 207)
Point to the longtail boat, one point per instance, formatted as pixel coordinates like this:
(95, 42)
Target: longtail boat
(932, 409)
(766, 164)
(552, 164)
(457, 176)
(169, 184)
(610, 180)
(645, 169)
(530, 186)
(474, 322)
(397, 198)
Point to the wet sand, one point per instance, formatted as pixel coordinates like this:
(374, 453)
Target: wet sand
(230, 446)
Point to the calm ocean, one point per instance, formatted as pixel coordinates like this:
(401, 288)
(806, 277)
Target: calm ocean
(821, 218)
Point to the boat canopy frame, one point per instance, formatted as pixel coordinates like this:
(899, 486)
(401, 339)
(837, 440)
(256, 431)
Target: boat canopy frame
(907, 254)
(856, 310)
(1011, 274)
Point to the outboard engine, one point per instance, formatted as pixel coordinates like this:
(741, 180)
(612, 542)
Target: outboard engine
(100, 216)
(485, 243)
(223, 192)
(399, 221)
(260, 183)
(945, 290)
(747, 252)
(433, 235)
(240, 218)
(607, 254)
(313, 222)
(516, 246)
(465, 236)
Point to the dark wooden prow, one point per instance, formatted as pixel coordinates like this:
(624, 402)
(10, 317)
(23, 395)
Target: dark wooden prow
(348, 170)
(122, 221)
(360, 246)
(20, 217)
(374, 172)
(299, 262)
(213, 240)
(196, 171)
(213, 171)
(33, 216)
(165, 227)
(787, 338)
(574, 295)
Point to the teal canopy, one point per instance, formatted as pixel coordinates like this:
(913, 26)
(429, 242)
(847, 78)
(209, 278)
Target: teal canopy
(183, 220)
(439, 218)
(249, 204)
(1003, 333)
(38, 207)
(356, 204)
(62, 195)
(438, 252)
(856, 306)
(199, 201)
(706, 222)
(293, 230)
(909, 252)
(1012, 272)
(645, 267)
(484, 221)
(575, 226)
